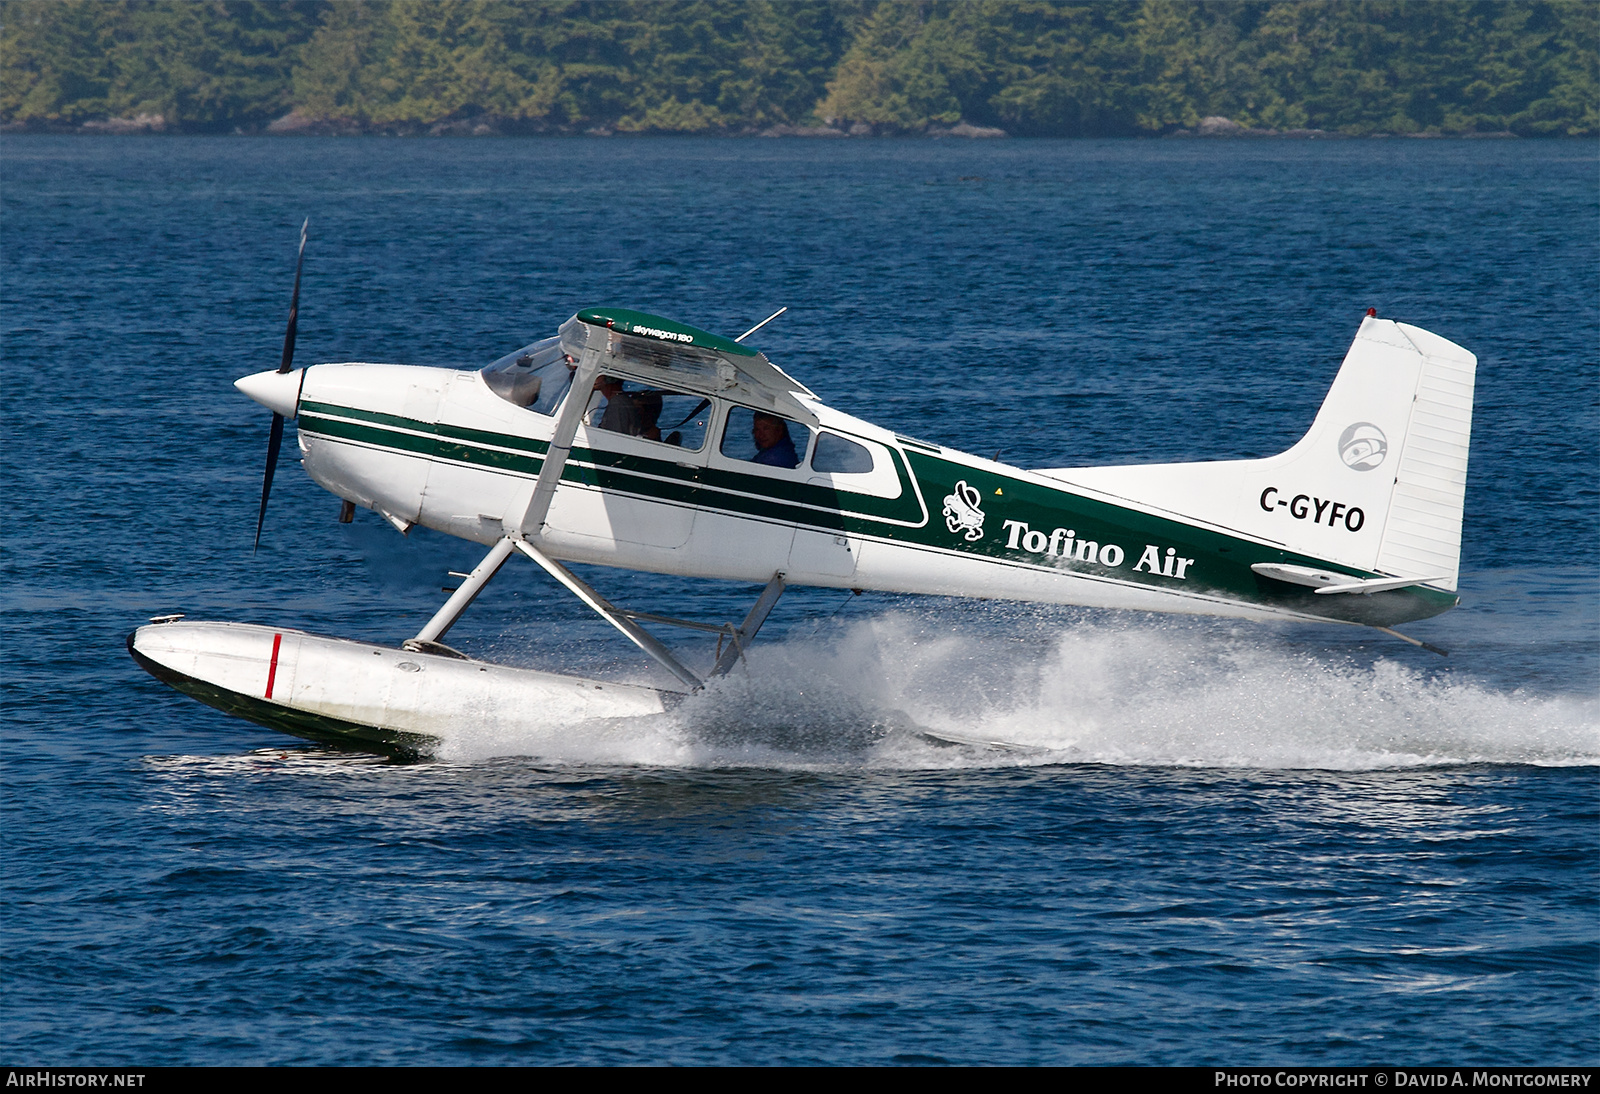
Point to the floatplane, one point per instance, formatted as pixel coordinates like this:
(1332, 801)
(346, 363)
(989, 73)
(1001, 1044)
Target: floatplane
(630, 440)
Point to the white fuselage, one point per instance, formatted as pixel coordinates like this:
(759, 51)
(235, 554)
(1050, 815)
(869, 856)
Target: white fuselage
(437, 447)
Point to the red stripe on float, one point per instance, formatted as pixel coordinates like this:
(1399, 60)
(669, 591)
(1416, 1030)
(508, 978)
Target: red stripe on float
(272, 670)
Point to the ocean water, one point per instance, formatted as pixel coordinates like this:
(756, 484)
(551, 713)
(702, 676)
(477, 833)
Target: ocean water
(1206, 842)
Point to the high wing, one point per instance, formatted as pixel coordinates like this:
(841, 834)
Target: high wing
(654, 350)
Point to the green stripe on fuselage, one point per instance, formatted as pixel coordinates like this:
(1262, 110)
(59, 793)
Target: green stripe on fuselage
(1218, 564)
(658, 479)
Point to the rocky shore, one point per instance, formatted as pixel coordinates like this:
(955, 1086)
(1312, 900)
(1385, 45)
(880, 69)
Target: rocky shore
(296, 123)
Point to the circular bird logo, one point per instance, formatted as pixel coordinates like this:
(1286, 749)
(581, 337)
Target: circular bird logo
(1363, 446)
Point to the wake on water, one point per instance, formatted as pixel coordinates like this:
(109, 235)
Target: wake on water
(901, 691)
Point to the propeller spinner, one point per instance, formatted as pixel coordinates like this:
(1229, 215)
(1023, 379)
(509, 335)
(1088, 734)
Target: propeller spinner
(278, 391)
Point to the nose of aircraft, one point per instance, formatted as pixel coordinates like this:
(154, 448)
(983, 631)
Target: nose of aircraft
(279, 392)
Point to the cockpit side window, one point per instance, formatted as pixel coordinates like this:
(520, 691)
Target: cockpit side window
(764, 438)
(536, 376)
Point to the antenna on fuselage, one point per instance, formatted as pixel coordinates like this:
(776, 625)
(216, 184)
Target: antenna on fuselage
(761, 324)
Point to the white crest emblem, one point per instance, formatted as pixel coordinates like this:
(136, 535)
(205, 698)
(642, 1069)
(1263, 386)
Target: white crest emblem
(1363, 446)
(962, 512)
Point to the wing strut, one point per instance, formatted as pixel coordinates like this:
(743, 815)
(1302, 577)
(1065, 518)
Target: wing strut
(531, 520)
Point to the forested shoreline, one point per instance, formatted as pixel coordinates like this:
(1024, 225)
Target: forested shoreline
(803, 67)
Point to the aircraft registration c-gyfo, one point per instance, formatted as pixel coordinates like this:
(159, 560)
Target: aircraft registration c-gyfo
(633, 441)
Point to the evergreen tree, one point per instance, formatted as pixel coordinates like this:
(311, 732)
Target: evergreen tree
(1032, 67)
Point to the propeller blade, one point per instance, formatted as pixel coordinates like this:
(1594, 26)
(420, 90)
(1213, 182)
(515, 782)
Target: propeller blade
(294, 308)
(275, 439)
(273, 442)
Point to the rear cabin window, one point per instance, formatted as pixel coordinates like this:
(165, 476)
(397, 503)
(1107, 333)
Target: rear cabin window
(766, 439)
(837, 455)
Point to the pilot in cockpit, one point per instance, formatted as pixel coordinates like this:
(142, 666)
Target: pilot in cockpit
(621, 414)
(648, 405)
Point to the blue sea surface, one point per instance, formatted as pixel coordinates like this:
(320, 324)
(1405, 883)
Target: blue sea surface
(1219, 842)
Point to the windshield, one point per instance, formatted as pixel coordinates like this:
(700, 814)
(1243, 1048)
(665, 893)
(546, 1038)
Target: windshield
(536, 376)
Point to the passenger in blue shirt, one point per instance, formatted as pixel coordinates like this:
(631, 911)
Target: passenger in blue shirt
(771, 434)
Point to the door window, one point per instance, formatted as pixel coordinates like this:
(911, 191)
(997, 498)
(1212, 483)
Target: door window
(759, 437)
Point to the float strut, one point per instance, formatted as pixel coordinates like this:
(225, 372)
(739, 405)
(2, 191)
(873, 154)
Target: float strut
(465, 594)
(609, 612)
(746, 631)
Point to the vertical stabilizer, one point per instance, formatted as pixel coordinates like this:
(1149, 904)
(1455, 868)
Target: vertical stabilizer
(1378, 482)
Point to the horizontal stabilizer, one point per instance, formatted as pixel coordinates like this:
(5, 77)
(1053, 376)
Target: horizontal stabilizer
(1379, 584)
(1323, 583)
